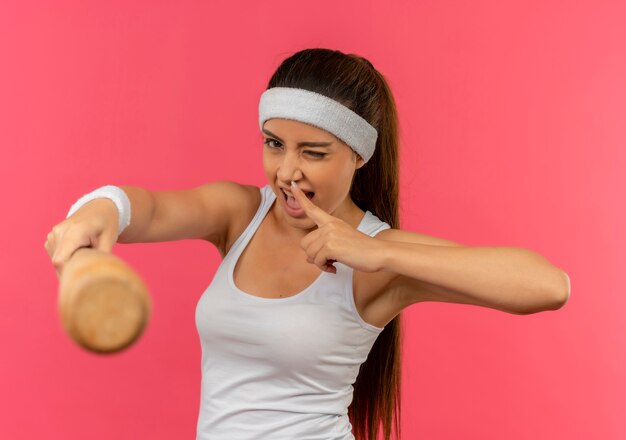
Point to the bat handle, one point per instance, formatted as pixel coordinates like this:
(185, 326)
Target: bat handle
(103, 304)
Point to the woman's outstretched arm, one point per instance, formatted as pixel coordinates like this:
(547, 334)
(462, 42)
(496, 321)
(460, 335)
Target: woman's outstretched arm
(511, 279)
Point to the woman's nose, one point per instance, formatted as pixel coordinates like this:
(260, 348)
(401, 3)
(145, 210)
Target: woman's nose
(289, 168)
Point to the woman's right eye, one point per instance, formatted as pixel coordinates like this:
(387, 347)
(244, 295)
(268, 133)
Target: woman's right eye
(267, 142)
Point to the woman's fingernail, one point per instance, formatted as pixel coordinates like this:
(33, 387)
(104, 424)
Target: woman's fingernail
(293, 183)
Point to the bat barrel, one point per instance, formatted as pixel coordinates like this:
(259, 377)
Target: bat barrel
(104, 305)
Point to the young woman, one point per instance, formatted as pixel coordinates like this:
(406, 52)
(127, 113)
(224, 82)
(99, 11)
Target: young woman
(300, 327)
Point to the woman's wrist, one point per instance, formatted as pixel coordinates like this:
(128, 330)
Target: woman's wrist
(115, 194)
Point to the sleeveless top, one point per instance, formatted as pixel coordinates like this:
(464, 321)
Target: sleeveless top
(280, 368)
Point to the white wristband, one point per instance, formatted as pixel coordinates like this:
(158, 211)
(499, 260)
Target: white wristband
(119, 197)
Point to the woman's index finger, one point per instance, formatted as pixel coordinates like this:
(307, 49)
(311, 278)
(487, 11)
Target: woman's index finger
(317, 214)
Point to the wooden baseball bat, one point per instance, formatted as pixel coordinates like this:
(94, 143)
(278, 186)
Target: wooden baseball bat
(104, 305)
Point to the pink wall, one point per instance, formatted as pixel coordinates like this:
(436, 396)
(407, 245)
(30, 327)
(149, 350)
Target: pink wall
(512, 121)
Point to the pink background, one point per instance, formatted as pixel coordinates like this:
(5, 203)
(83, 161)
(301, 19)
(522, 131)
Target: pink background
(512, 120)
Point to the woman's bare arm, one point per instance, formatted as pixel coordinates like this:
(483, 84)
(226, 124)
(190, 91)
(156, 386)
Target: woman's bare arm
(204, 212)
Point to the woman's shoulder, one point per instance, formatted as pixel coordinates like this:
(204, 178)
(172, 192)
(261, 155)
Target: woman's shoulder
(247, 200)
(241, 194)
(241, 198)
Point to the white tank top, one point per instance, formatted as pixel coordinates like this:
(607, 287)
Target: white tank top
(280, 368)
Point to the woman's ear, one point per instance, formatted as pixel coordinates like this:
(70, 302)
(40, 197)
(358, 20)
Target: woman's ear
(359, 161)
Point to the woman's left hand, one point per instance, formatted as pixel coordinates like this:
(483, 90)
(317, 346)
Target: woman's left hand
(335, 240)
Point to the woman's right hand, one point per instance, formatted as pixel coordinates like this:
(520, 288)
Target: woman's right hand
(94, 225)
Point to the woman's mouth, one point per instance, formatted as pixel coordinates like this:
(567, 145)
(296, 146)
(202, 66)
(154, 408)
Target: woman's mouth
(291, 204)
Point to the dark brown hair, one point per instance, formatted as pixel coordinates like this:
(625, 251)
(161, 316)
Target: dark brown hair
(354, 82)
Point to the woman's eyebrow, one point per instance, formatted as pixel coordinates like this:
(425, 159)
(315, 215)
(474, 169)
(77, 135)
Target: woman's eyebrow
(300, 144)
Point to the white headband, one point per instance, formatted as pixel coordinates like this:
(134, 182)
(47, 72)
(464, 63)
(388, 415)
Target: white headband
(321, 111)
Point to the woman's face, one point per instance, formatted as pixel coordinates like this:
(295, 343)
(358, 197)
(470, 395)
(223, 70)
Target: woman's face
(325, 170)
